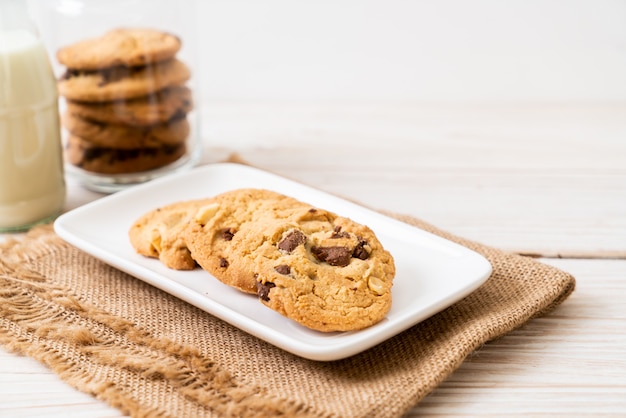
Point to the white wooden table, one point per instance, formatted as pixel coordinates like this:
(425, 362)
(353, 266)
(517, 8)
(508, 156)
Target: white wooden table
(542, 180)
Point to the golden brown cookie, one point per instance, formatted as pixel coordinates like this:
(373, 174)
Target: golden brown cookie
(86, 156)
(117, 83)
(170, 103)
(158, 233)
(325, 272)
(120, 47)
(118, 136)
(209, 236)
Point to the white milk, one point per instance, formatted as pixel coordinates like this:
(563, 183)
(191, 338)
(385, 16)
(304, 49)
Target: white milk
(32, 187)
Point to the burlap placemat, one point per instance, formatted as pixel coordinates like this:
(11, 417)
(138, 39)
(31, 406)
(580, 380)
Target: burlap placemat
(152, 355)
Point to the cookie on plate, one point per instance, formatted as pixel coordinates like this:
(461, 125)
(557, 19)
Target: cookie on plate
(158, 234)
(129, 47)
(120, 136)
(104, 160)
(170, 103)
(321, 270)
(117, 83)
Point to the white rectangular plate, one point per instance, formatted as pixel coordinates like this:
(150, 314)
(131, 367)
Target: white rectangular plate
(432, 273)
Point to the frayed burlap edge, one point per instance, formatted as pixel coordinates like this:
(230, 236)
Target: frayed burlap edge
(50, 324)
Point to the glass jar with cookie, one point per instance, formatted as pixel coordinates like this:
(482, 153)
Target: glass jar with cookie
(126, 77)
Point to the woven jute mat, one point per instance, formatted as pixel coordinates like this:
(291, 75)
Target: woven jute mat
(151, 355)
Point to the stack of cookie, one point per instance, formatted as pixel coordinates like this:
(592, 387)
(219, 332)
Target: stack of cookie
(319, 269)
(127, 102)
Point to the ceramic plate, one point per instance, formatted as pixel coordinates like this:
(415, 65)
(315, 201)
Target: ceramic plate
(432, 273)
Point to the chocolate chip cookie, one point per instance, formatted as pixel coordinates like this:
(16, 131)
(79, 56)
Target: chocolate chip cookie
(170, 103)
(128, 47)
(118, 83)
(105, 160)
(125, 137)
(324, 271)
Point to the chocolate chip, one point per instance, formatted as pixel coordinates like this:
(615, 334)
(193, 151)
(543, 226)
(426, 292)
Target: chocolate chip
(69, 73)
(113, 155)
(312, 210)
(223, 263)
(108, 76)
(283, 269)
(115, 74)
(360, 252)
(180, 113)
(338, 234)
(335, 256)
(263, 290)
(292, 240)
(228, 233)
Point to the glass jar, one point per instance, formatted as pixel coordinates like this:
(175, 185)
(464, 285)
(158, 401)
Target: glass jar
(126, 76)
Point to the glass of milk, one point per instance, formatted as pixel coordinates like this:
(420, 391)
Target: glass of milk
(32, 187)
